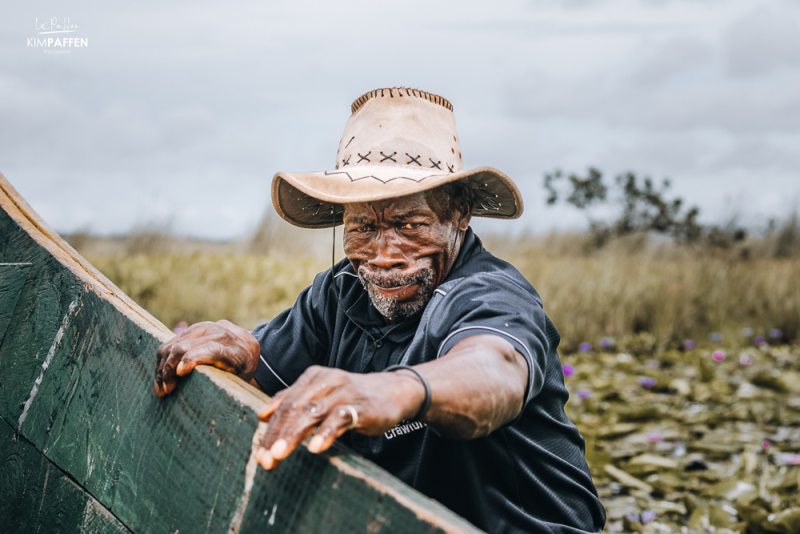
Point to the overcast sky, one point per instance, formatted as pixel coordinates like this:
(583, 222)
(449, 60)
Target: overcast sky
(179, 113)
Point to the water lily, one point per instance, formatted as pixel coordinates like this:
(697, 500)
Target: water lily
(648, 515)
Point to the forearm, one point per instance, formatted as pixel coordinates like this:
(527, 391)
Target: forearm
(478, 386)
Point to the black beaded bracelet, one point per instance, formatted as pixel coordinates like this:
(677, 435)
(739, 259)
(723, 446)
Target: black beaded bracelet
(426, 404)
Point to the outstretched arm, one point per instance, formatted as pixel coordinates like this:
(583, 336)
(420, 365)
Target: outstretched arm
(478, 386)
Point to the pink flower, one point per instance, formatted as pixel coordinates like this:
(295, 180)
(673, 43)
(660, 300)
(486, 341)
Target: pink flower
(654, 437)
(744, 359)
(584, 393)
(718, 356)
(647, 382)
(766, 444)
(568, 369)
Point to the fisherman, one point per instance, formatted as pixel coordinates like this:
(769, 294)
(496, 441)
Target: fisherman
(421, 351)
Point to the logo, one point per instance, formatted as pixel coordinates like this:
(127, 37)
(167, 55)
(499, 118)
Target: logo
(403, 428)
(53, 35)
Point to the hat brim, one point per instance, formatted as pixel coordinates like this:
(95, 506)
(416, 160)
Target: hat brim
(316, 199)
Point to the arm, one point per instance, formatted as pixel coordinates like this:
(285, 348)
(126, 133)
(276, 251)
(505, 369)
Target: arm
(478, 386)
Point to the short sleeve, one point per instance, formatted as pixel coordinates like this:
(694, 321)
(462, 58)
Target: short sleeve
(495, 304)
(295, 340)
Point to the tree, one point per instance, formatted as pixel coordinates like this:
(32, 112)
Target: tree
(644, 208)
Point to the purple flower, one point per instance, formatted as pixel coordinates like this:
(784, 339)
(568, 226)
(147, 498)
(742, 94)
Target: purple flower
(654, 437)
(759, 340)
(766, 444)
(568, 369)
(716, 337)
(584, 393)
(606, 342)
(585, 347)
(647, 382)
(718, 355)
(689, 344)
(775, 333)
(744, 359)
(632, 517)
(648, 515)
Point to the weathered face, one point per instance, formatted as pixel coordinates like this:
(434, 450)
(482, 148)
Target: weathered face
(401, 248)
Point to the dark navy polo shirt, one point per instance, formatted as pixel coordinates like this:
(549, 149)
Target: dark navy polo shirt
(528, 476)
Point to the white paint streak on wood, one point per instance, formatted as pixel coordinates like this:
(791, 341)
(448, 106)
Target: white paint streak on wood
(46, 364)
(249, 476)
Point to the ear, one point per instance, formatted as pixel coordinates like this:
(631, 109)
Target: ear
(465, 217)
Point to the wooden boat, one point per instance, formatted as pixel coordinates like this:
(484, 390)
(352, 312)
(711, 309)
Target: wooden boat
(86, 446)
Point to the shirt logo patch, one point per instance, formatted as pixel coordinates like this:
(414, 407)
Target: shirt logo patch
(404, 427)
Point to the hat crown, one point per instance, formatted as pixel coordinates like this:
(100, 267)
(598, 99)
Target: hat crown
(401, 127)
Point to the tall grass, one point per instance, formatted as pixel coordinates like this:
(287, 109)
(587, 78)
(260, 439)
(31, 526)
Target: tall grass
(642, 293)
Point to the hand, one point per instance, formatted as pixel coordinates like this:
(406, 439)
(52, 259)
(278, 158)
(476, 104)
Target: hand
(221, 344)
(318, 401)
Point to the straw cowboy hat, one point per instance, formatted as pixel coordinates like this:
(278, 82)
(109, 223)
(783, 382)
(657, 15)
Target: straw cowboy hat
(397, 142)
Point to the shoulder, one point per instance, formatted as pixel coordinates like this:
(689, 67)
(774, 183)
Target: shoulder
(488, 277)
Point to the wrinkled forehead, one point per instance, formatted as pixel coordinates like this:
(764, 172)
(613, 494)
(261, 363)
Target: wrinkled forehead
(416, 204)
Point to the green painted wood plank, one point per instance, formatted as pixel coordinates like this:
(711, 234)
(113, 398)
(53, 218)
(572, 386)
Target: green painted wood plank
(36, 496)
(36, 317)
(12, 278)
(79, 360)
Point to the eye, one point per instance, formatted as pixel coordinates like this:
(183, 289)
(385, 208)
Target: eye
(363, 229)
(410, 226)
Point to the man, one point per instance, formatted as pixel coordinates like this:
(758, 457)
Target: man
(420, 350)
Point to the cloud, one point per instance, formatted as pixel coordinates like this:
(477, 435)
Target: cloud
(762, 41)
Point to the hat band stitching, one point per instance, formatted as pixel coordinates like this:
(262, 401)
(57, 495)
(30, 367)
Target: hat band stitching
(436, 99)
(412, 158)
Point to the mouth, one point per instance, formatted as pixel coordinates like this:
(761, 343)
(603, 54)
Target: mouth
(398, 292)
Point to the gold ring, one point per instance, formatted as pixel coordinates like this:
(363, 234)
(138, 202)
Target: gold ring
(353, 415)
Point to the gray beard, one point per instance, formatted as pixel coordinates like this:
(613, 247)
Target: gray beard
(389, 307)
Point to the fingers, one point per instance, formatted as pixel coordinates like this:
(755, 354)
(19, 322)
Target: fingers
(337, 423)
(206, 354)
(291, 423)
(269, 410)
(168, 361)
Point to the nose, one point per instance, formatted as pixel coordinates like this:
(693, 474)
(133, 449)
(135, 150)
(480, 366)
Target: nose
(388, 255)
